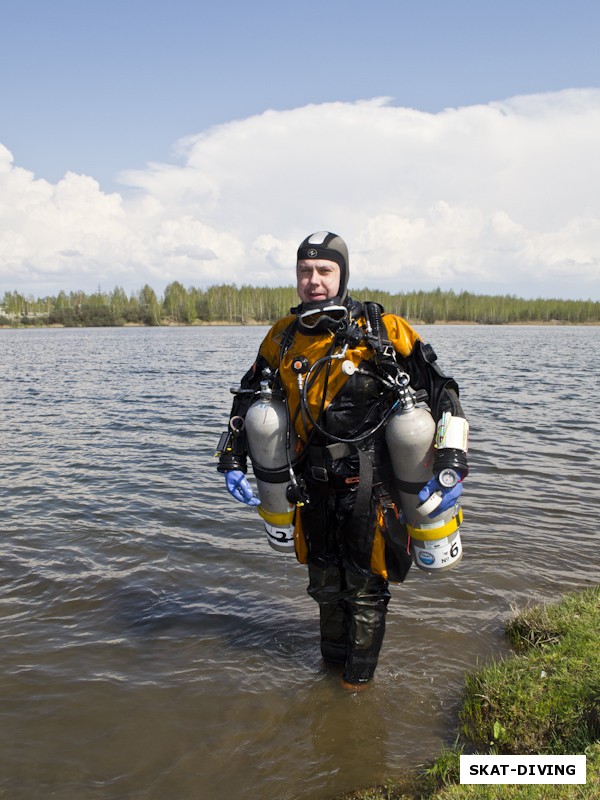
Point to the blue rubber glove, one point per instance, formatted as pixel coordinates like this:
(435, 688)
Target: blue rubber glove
(449, 496)
(239, 488)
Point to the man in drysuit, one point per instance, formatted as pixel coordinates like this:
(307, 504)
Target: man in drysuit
(346, 526)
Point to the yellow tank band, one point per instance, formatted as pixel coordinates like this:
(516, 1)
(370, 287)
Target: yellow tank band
(431, 534)
(276, 519)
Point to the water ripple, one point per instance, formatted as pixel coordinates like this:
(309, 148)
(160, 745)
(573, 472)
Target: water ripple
(154, 646)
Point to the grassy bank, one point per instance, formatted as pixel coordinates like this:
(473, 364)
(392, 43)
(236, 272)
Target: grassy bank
(543, 700)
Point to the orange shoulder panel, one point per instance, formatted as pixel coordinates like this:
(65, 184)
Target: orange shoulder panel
(400, 334)
(269, 348)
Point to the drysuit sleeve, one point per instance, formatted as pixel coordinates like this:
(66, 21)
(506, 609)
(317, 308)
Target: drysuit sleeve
(419, 361)
(232, 451)
(425, 373)
(442, 395)
(249, 385)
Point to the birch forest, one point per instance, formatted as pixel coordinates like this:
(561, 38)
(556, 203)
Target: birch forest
(247, 305)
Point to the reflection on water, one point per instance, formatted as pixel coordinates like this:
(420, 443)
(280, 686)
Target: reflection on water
(153, 646)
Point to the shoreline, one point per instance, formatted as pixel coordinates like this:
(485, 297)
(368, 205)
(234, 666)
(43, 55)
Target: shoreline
(540, 700)
(553, 323)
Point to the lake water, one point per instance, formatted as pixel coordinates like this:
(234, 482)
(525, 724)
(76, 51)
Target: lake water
(153, 646)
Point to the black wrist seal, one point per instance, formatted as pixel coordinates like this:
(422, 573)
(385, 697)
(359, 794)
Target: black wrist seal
(231, 450)
(449, 458)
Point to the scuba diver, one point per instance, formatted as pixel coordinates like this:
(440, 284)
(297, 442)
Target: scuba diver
(341, 370)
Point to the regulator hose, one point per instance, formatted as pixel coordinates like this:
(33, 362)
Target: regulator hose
(315, 423)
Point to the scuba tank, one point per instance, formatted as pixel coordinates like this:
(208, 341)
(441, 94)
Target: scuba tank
(266, 428)
(410, 434)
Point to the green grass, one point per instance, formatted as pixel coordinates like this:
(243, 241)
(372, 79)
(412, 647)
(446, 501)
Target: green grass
(589, 791)
(543, 700)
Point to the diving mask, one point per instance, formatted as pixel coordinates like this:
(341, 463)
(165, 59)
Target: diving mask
(322, 318)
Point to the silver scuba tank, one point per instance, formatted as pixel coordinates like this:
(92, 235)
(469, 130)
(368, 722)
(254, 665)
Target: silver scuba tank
(410, 434)
(266, 435)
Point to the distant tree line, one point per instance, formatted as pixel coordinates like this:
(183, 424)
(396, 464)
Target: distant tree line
(251, 304)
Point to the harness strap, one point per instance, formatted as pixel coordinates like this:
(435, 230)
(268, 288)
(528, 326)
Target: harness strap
(365, 485)
(272, 475)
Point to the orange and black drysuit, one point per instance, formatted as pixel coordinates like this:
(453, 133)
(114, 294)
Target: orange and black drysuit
(346, 527)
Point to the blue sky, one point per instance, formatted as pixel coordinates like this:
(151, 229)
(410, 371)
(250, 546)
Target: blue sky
(135, 92)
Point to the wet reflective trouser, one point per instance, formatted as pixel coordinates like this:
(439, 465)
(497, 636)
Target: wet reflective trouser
(339, 526)
(352, 618)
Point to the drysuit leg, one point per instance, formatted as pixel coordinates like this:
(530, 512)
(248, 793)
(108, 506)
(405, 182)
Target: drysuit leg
(326, 588)
(352, 618)
(366, 599)
(352, 599)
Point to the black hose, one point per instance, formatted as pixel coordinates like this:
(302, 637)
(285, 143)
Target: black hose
(316, 426)
(373, 312)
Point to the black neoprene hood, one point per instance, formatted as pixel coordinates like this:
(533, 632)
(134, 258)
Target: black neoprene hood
(332, 247)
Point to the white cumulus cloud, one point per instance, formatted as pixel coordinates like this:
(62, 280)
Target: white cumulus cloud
(496, 198)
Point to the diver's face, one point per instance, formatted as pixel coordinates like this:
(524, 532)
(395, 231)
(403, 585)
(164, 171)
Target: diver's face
(318, 279)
